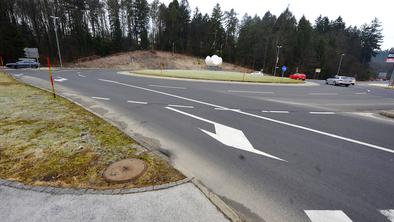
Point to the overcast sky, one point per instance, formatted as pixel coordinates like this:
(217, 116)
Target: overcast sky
(354, 12)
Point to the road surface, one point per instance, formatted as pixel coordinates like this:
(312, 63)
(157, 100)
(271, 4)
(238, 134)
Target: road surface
(274, 153)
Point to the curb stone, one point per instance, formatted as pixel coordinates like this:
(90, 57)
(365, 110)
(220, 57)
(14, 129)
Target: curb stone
(229, 212)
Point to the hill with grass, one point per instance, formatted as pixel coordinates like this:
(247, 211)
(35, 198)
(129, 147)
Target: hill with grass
(137, 60)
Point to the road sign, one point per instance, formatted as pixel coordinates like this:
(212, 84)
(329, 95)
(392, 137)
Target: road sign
(390, 57)
(284, 68)
(31, 53)
(318, 70)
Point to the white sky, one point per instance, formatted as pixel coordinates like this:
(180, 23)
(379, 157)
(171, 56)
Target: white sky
(354, 12)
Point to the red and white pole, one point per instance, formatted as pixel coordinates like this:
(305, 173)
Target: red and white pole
(51, 77)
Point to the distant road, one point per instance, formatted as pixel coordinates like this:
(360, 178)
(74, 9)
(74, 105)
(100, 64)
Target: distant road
(274, 153)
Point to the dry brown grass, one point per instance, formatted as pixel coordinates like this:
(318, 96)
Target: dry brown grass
(46, 141)
(138, 60)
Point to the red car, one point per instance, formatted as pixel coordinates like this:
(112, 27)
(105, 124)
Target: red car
(298, 76)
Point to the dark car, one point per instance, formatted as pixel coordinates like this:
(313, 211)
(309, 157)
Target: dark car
(23, 64)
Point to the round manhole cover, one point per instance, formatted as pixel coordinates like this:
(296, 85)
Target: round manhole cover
(124, 170)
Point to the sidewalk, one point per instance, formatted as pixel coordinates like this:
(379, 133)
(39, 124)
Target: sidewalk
(180, 203)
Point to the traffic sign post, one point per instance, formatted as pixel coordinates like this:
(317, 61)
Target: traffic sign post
(317, 73)
(390, 59)
(284, 68)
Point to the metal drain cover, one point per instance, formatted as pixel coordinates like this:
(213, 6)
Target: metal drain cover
(125, 170)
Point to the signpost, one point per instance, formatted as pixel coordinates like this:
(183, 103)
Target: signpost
(390, 59)
(31, 53)
(317, 72)
(284, 68)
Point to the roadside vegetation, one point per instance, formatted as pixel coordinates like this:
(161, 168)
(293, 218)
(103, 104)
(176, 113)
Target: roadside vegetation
(47, 141)
(216, 75)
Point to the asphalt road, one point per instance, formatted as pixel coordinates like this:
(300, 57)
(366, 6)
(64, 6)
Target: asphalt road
(274, 153)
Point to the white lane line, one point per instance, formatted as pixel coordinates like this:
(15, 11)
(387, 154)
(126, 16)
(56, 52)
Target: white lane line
(361, 93)
(137, 102)
(225, 109)
(169, 87)
(257, 92)
(100, 98)
(389, 214)
(322, 113)
(60, 79)
(279, 112)
(257, 116)
(80, 75)
(323, 94)
(181, 106)
(327, 216)
(18, 75)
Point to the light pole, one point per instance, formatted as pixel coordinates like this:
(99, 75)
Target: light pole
(277, 58)
(57, 40)
(340, 63)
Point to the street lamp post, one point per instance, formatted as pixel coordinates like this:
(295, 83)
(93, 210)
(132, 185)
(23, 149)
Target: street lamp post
(277, 58)
(57, 40)
(340, 63)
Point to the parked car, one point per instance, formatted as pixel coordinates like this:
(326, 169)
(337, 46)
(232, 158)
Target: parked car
(353, 81)
(298, 76)
(340, 81)
(23, 64)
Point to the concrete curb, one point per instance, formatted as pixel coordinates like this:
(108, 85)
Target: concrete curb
(130, 73)
(229, 212)
(82, 191)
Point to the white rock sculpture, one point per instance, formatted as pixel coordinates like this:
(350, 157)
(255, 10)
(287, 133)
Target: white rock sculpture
(213, 61)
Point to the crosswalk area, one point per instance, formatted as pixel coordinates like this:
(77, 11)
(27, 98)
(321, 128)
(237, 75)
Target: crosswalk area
(340, 216)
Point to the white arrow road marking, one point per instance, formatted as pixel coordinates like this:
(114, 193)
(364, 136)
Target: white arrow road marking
(60, 79)
(327, 216)
(257, 116)
(389, 214)
(229, 136)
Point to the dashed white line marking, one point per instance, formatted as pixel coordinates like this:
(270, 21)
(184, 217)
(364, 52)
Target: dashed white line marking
(100, 98)
(327, 216)
(80, 75)
(60, 79)
(322, 113)
(257, 116)
(137, 102)
(18, 75)
(274, 111)
(323, 94)
(361, 93)
(226, 109)
(389, 214)
(181, 106)
(257, 92)
(169, 87)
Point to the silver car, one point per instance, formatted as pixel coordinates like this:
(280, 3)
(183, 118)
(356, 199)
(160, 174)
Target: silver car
(340, 81)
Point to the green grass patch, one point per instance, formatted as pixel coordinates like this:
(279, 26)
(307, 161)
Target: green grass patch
(216, 75)
(53, 142)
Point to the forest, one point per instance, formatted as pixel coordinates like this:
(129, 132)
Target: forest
(103, 27)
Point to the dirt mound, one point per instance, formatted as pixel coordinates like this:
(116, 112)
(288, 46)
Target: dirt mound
(137, 60)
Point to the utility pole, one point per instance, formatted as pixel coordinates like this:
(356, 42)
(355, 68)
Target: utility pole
(57, 40)
(340, 63)
(277, 58)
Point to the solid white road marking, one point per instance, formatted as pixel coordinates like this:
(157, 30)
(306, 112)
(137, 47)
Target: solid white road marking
(137, 102)
(361, 93)
(229, 136)
(257, 116)
(237, 91)
(327, 216)
(169, 87)
(60, 79)
(323, 94)
(80, 75)
(18, 75)
(322, 113)
(225, 109)
(181, 106)
(100, 98)
(279, 112)
(389, 214)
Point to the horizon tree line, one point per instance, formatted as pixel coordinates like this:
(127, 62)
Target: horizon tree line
(102, 27)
